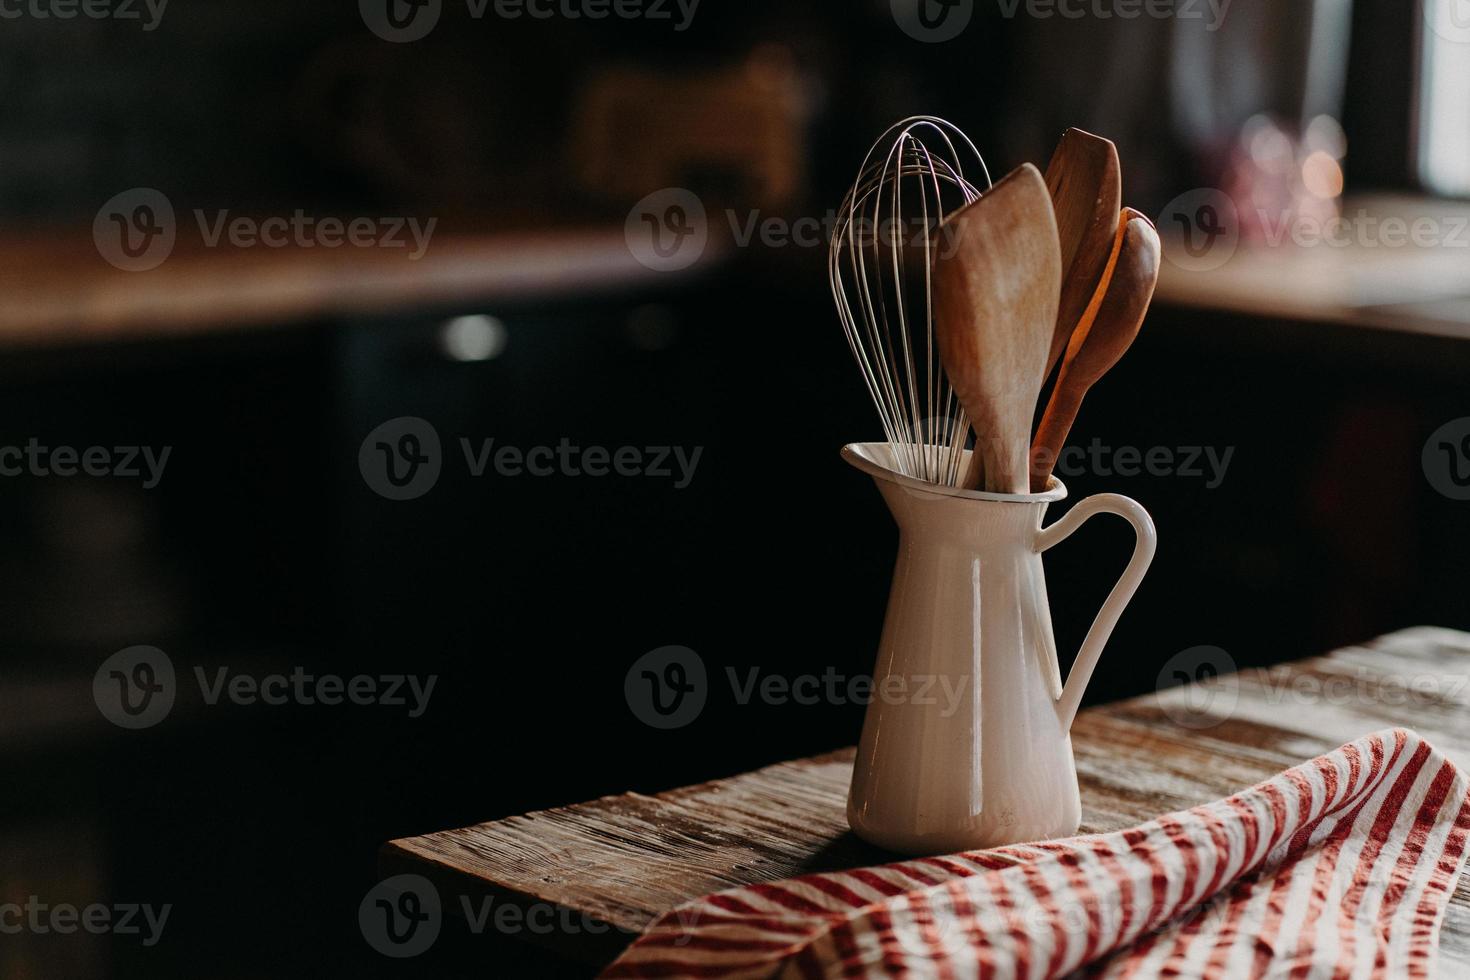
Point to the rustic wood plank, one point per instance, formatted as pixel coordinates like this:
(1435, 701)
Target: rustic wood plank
(619, 862)
(624, 860)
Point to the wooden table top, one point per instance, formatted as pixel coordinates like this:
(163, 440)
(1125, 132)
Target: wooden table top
(623, 860)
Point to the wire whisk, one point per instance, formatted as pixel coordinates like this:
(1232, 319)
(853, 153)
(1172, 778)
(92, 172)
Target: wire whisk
(887, 232)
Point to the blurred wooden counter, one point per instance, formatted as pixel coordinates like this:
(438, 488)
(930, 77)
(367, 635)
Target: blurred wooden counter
(1360, 277)
(56, 290)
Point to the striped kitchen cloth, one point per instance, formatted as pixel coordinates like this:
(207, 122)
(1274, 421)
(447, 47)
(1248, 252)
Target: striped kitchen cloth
(1341, 867)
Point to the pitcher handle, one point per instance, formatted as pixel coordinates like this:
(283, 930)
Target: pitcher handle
(1107, 617)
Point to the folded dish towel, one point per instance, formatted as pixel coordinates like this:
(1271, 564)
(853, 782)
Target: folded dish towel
(1341, 867)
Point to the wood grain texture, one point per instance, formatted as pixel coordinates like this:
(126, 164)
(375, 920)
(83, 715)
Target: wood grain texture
(621, 861)
(1085, 180)
(996, 280)
(1102, 340)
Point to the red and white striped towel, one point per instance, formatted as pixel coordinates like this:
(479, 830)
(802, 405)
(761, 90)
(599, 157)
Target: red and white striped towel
(1341, 867)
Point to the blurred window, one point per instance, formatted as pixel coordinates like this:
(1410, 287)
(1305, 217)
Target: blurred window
(1444, 92)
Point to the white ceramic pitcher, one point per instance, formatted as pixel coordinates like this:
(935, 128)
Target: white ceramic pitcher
(967, 743)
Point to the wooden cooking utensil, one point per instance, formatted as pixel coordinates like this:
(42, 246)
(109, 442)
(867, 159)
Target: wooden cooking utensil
(997, 277)
(1095, 348)
(1085, 182)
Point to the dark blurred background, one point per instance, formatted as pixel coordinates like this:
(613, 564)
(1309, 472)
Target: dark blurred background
(529, 319)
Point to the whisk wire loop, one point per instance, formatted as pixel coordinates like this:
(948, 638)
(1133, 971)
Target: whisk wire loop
(888, 229)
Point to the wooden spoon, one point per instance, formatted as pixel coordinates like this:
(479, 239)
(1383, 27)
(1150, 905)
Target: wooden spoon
(997, 276)
(1086, 185)
(1095, 348)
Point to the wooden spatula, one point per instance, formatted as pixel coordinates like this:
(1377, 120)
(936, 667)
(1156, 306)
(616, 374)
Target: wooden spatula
(997, 276)
(1085, 182)
(1094, 349)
